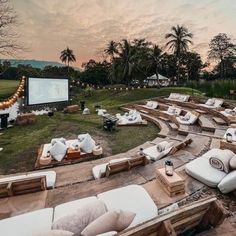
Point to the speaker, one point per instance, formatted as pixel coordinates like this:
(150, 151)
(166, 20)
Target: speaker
(50, 113)
(4, 120)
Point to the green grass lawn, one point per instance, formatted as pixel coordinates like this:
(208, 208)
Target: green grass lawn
(8, 88)
(21, 143)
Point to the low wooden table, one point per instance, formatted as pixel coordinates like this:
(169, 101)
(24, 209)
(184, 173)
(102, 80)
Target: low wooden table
(226, 145)
(173, 185)
(72, 153)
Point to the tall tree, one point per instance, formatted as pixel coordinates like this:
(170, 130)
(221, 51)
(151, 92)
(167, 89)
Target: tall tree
(221, 49)
(67, 56)
(179, 40)
(8, 21)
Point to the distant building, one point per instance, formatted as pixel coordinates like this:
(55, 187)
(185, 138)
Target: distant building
(153, 81)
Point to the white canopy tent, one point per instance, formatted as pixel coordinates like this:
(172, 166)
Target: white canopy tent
(153, 80)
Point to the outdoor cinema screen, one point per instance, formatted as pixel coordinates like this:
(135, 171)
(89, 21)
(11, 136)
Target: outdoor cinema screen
(45, 90)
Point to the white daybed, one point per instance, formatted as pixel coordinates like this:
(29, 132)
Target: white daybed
(231, 131)
(229, 112)
(188, 119)
(201, 170)
(173, 111)
(150, 105)
(133, 198)
(158, 151)
(84, 142)
(213, 103)
(132, 117)
(178, 97)
(50, 177)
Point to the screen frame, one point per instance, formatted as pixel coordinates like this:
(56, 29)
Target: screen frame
(48, 103)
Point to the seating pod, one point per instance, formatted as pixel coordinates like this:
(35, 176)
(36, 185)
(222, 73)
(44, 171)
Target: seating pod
(231, 131)
(201, 170)
(188, 119)
(173, 111)
(154, 154)
(133, 198)
(178, 97)
(151, 105)
(131, 118)
(50, 177)
(213, 103)
(27, 224)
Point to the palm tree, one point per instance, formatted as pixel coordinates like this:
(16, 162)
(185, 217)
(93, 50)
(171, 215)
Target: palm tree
(179, 42)
(111, 50)
(156, 58)
(67, 56)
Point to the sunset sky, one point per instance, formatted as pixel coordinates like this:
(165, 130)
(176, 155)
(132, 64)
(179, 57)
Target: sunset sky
(86, 26)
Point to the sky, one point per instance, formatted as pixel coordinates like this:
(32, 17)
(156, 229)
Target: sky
(86, 26)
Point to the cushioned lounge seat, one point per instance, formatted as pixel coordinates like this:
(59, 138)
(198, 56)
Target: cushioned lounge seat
(213, 103)
(131, 198)
(178, 97)
(231, 131)
(188, 119)
(50, 177)
(151, 105)
(27, 224)
(133, 117)
(173, 111)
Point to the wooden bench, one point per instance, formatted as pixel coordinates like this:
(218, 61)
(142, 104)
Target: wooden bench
(206, 124)
(181, 145)
(113, 168)
(200, 215)
(23, 186)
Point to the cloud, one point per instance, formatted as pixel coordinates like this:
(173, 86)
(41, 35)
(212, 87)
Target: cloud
(48, 26)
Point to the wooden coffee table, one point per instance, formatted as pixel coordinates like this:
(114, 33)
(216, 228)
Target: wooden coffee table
(72, 153)
(173, 185)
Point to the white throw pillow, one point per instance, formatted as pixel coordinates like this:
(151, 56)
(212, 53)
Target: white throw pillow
(78, 221)
(87, 145)
(210, 102)
(188, 116)
(58, 151)
(54, 140)
(162, 146)
(149, 104)
(171, 110)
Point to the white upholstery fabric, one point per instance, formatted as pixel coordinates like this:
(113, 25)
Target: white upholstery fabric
(189, 121)
(111, 233)
(58, 151)
(87, 144)
(228, 183)
(46, 148)
(99, 170)
(27, 224)
(178, 97)
(101, 112)
(151, 105)
(154, 154)
(50, 177)
(131, 198)
(231, 131)
(201, 170)
(173, 111)
(54, 140)
(71, 207)
(133, 117)
(216, 103)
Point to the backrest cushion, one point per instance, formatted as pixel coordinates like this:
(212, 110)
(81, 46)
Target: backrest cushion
(232, 163)
(162, 146)
(58, 150)
(171, 109)
(54, 140)
(210, 102)
(110, 221)
(77, 221)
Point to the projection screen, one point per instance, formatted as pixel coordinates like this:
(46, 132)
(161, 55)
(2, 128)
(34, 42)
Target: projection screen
(47, 90)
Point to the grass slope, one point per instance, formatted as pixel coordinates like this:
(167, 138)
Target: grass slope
(7, 88)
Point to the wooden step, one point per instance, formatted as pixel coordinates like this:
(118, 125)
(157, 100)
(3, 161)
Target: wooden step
(219, 121)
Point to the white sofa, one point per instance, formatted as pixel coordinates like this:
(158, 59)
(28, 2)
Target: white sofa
(231, 131)
(188, 119)
(151, 105)
(229, 112)
(201, 170)
(173, 111)
(213, 103)
(132, 198)
(50, 177)
(130, 118)
(154, 154)
(178, 97)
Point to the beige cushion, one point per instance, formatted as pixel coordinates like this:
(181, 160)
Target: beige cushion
(232, 163)
(54, 140)
(55, 233)
(161, 146)
(81, 218)
(111, 233)
(110, 221)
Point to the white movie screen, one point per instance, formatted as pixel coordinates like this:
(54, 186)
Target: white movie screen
(45, 90)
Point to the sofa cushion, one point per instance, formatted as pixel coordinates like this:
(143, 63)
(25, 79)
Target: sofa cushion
(87, 144)
(232, 163)
(54, 140)
(210, 102)
(58, 151)
(201, 170)
(161, 146)
(77, 221)
(111, 233)
(55, 233)
(228, 183)
(27, 224)
(133, 198)
(110, 221)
